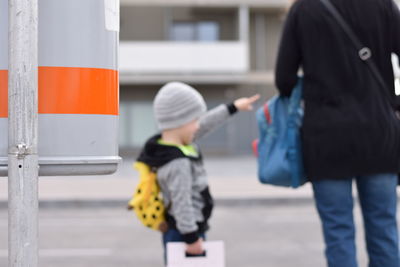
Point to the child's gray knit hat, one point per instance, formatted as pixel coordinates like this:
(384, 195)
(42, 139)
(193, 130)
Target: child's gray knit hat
(177, 104)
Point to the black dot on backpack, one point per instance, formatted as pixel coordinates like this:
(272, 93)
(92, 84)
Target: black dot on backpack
(154, 216)
(158, 208)
(149, 225)
(156, 199)
(144, 216)
(139, 191)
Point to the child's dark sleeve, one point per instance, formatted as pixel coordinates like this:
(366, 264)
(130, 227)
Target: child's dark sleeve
(214, 118)
(179, 184)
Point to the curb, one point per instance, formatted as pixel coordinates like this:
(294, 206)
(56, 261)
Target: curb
(122, 203)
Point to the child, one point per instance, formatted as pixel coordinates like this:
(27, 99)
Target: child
(180, 112)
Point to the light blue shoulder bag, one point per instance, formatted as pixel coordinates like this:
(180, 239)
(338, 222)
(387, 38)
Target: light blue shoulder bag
(280, 160)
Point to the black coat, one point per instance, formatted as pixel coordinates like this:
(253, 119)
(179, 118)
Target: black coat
(349, 127)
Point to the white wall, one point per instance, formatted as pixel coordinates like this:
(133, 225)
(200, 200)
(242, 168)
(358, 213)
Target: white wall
(184, 57)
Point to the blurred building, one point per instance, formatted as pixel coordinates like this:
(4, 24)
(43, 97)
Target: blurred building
(224, 48)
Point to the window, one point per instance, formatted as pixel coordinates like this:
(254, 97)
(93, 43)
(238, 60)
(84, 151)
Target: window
(137, 123)
(204, 31)
(208, 31)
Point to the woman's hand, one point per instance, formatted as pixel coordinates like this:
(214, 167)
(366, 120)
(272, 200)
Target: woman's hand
(195, 248)
(246, 103)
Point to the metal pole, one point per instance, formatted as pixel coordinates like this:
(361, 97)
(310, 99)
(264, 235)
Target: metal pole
(244, 30)
(261, 42)
(244, 23)
(23, 133)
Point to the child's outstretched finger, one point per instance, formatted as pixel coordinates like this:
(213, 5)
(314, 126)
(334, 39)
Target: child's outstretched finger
(251, 100)
(254, 98)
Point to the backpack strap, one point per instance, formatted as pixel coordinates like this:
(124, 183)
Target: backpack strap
(267, 114)
(364, 53)
(154, 169)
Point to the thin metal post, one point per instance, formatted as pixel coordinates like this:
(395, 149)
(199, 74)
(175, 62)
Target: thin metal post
(23, 133)
(244, 23)
(260, 42)
(244, 30)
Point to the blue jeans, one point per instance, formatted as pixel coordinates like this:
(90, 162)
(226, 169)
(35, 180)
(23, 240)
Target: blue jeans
(378, 200)
(173, 235)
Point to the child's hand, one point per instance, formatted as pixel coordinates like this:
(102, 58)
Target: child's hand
(246, 103)
(195, 248)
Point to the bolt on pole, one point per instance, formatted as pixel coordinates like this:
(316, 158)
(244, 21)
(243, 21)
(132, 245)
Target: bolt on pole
(23, 133)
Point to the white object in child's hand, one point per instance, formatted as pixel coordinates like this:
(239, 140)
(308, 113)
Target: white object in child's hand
(215, 255)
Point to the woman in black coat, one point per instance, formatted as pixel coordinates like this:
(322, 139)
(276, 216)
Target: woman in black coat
(350, 130)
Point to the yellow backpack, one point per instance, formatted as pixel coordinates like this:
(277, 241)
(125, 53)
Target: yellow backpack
(147, 200)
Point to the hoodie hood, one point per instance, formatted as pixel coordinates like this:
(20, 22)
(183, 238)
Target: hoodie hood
(157, 155)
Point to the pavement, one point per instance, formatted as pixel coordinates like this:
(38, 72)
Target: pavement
(255, 236)
(83, 221)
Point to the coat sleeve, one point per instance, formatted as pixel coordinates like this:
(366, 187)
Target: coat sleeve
(395, 25)
(289, 55)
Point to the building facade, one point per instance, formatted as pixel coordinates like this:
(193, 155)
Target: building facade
(226, 49)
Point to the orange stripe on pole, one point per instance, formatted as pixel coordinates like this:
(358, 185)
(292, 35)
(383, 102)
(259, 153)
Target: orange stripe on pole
(3, 93)
(64, 90)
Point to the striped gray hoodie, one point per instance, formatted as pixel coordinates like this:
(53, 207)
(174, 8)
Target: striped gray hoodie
(183, 179)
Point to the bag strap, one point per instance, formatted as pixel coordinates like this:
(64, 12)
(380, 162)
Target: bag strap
(296, 96)
(364, 52)
(267, 114)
